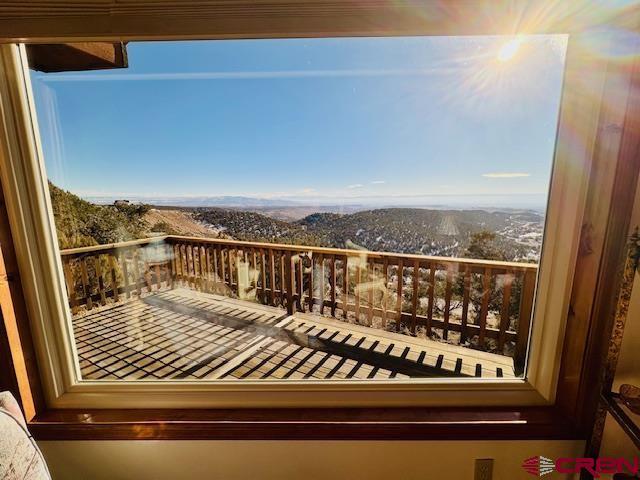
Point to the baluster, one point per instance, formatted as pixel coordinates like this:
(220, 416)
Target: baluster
(333, 285)
(223, 268)
(231, 253)
(356, 290)
(184, 261)
(255, 272)
(136, 271)
(400, 273)
(96, 261)
(484, 309)
(504, 311)
(114, 277)
(157, 271)
(204, 267)
(431, 288)
(198, 271)
(369, 286)
(321, 282)
(86, 288)
(215, 272)
(272, 277)
(385, 290)
(263, 276)
(147, 273)
(171, 249)
(311, 282)
(71, 285)
(414, 294)
(300, 282)
(289, 279)
(466, 289)
(283, 280)
(345, 287)
(125, 274)
(447, 302)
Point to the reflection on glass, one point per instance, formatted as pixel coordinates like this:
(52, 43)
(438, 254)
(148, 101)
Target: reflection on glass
(367, 208)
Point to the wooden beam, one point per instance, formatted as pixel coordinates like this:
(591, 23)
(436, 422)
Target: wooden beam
(446, 423)
(112, 20)
(612, 187)
(67, 57)
(18, 367)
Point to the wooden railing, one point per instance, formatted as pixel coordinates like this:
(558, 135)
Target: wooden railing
(114, 272)
(482, 303)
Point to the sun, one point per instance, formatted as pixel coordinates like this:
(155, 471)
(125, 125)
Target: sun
(509, 49)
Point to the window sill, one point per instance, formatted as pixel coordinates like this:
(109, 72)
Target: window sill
(305, 424)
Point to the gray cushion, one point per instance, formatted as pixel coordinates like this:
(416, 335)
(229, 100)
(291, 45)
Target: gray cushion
(20, 457)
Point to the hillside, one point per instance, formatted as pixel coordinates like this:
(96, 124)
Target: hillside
(255, 227)
(80, 223)
(414, 230)
(176, 222)
(403, 230)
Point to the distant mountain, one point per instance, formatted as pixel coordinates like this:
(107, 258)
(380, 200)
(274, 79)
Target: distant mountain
(220, 201)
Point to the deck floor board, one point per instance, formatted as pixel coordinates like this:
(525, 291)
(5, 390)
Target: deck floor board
(183, 334)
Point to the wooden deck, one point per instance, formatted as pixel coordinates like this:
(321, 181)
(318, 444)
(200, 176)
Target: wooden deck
(184, 334)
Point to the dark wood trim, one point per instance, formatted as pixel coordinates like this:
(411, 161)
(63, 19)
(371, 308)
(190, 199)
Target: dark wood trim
(113, 20)
(613, 406)
(306, 424)
(615, 170)
(18, 367)
(117, 21)
(66, 57)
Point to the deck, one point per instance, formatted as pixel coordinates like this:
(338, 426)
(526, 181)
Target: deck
(181, 333)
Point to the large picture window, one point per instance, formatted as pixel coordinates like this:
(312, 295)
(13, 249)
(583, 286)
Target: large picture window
(304, 209)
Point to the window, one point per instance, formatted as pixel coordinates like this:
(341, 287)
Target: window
(358, 212)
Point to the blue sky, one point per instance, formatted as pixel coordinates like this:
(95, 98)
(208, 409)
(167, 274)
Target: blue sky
(317, 120)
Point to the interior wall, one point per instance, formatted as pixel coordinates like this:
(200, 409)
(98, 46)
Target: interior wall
(282, 460)
(614, 441)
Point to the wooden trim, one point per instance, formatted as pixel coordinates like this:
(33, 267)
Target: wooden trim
(19, 370)
(81, 56)
(114, 20)
(615, 171)
(106, 19)
(305, 424)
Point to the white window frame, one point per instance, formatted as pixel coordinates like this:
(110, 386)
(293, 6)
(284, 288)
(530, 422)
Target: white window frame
(25, 187)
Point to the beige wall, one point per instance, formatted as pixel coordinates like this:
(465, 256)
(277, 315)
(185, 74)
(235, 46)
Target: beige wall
(253, 460)
(614, 441)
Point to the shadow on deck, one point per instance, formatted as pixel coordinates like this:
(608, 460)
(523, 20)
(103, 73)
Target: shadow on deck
(185, 334)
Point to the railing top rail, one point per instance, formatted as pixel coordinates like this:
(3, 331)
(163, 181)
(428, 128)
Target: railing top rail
(108, 247)
(354, 253)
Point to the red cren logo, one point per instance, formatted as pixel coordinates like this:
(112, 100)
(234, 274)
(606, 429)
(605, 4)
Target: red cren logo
(538, 466)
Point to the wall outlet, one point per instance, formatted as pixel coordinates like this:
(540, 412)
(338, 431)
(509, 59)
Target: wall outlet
(484, 469)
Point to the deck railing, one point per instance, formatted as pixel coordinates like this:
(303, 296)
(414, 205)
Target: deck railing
(482, 303)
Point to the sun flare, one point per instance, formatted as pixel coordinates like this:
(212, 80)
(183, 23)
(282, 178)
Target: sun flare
(509, 49)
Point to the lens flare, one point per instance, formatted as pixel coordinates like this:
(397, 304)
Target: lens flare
(509, 49)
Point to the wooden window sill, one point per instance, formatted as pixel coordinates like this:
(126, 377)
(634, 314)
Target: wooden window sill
(305, 424)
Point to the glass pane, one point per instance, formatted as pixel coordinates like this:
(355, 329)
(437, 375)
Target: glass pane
(353, 208)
